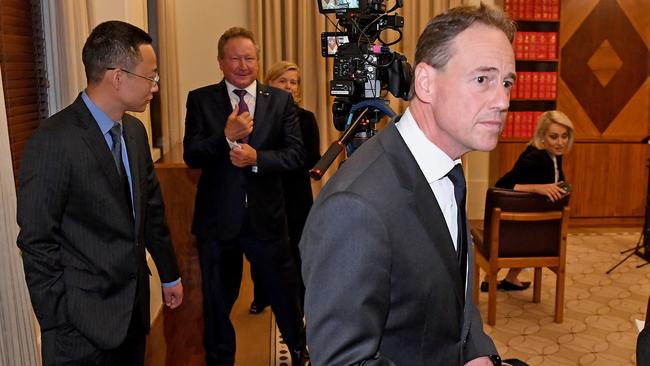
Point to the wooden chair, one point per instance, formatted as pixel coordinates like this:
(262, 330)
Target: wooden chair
(521, 230)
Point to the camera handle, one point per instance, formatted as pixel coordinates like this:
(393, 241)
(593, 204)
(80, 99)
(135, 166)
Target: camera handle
(336, 147)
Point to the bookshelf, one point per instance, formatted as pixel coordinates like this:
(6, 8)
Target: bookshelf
(537, 65)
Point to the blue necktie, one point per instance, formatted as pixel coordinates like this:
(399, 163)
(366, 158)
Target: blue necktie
(116, 150)
(243, 107)
(116, 147)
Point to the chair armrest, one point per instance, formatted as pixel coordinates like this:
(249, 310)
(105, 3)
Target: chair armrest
(477, 236)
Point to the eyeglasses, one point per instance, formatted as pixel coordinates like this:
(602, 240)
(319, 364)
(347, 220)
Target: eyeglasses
(155, 79)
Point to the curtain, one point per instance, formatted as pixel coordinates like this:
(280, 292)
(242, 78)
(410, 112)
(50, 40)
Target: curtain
(64, 41)
(290, 30)
(17, 330)
(170, 99)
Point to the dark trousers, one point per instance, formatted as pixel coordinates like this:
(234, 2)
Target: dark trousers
(295, 232)
(66, 346)
(221, 270)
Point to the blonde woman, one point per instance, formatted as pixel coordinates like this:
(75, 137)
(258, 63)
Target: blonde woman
(539, 170)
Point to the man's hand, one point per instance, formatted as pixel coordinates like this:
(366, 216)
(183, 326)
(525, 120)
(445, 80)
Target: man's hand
(481, 361)
(238, 125)
(173, 296)
(243, 156)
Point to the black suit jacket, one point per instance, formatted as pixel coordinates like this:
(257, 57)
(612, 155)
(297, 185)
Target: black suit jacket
(534, 166)
(82, 252)
(382, 276)
(224, 188)
(297, 183)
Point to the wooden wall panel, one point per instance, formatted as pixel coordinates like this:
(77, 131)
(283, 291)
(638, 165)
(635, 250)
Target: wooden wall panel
(606, 43)
(178, 187)
(604, 87)
(609, 179)
(632, 122)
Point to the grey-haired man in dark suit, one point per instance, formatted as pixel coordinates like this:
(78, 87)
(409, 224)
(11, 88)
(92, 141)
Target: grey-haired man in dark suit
(387, 260)
(243, 135)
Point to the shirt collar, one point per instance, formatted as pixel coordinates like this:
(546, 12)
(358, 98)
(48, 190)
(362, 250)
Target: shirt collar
(103, 121)
(251, 89)
(433, 162)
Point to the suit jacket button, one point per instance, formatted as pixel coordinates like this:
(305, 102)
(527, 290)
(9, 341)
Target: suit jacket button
(132, 275)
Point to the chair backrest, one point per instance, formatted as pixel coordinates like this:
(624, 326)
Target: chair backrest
(527, 238)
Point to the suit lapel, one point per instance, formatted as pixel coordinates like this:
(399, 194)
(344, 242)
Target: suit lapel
(262, 100)
(92, 136)
(222, 99)
(433, 221)
(425, 204)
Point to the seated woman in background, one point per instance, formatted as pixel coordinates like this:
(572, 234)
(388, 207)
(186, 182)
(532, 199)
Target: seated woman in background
(296, 184)
(539, 170)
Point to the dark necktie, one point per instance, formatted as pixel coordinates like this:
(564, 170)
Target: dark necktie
(458, 179)
(243, 107)
(116, 150)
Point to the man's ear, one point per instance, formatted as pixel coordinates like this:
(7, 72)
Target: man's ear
(114, 77)
(424, 80)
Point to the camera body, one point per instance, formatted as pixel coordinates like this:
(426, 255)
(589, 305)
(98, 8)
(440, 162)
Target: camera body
(364, 67)
(364, 64)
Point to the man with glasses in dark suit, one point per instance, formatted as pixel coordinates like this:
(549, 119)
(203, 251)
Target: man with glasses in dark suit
(89, 204)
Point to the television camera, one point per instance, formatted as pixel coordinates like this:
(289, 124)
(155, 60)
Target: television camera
(365, 69)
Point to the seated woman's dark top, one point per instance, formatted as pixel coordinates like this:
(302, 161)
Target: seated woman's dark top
(534, 166)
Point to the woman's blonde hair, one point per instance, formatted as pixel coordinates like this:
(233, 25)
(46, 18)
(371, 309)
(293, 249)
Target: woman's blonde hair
(543, 124)
(279, 68)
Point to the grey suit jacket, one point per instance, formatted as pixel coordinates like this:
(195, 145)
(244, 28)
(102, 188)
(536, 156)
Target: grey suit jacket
(382, 276)
(83, 253)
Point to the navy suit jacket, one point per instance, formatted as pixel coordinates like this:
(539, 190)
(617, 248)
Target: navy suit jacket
(382, 276)
(297, 183)
(83, 253)
(224, 189)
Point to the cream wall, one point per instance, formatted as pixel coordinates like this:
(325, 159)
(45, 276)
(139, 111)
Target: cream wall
(134, 11)
(200, 23)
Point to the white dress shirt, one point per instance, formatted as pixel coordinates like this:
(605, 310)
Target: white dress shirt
(435, 165)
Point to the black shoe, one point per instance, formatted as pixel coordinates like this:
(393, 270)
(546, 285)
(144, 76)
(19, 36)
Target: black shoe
(484, 286)
(257, 308)
(300, 357)
(506, 285)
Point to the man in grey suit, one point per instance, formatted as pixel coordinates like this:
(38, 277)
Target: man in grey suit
(89, 205)
(385, 249)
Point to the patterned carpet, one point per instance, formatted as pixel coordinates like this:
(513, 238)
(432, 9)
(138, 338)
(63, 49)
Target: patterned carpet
(599, 319)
